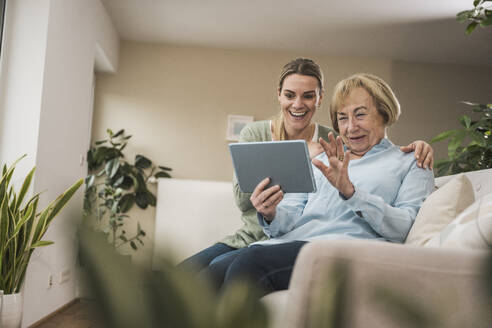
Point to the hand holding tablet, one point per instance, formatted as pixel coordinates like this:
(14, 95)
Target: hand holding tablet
(286, 163)
(265, 201)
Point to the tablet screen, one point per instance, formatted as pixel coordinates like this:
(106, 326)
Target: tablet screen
(287, 163)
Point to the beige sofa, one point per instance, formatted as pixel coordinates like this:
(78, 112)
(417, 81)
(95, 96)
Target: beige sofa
(429, 283)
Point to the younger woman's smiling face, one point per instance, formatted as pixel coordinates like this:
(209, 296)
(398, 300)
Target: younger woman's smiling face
(360, 124)
(299, 98)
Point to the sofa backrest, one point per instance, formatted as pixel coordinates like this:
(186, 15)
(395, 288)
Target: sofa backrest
(192, 215)
(481, 181)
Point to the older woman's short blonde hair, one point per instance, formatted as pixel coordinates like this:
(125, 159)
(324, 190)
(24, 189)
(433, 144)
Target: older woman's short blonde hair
(384, 98)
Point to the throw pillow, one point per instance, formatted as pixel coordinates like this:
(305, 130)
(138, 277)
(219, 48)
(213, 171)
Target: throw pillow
(471, 229)
(440, 208)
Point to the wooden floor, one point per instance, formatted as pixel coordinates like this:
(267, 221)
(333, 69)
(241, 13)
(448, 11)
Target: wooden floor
(75, 315)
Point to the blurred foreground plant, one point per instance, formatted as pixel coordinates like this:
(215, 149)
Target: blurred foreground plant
(128, 296)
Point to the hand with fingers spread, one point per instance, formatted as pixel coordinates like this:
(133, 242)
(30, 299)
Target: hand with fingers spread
(337, 172)
(266, 200)
(423, 153)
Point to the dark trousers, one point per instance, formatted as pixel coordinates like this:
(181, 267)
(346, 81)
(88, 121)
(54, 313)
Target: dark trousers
(267, 267)
(202, 259)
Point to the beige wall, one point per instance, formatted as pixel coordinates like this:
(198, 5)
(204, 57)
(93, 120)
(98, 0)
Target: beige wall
(431, 95)
(174, 100)
(45, 111)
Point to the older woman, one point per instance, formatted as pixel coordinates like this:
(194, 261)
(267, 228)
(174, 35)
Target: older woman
(371, 191)
(300, 94)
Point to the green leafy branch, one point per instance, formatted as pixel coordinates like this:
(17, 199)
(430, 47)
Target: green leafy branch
(469, 148)
(479, 15)
(114, 185)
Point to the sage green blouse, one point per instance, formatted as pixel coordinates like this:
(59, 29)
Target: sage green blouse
(251, 231)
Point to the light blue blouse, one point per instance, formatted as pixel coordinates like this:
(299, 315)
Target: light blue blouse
(389, 190)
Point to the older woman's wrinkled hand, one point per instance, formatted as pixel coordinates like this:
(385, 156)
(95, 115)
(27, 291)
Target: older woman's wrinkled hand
(337, 172)
(266, 200)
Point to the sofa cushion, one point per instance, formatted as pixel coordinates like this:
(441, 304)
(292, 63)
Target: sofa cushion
(485, 219)
(440, 208)
(471, 229)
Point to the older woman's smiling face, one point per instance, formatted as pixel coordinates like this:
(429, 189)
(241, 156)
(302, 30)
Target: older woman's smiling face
(360, 124)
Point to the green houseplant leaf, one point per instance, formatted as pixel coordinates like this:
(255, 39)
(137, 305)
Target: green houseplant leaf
(142, 162)
(112, 167)
(126, 202)
(455, 142)
(162, 174)
(142, 199)
(444, 135)
(471, 27)
(465, 120)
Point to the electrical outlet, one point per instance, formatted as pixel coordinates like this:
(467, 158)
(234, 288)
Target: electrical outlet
(50, 281)
(65, 276)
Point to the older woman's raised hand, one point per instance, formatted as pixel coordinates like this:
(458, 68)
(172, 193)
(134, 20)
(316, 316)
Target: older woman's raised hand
(266, 200)
(337, 172)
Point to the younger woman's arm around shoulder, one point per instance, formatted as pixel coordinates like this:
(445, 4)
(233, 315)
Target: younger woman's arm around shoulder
(424, 154)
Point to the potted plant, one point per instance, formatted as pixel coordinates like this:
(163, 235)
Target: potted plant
(114, 185)
(22, 228)
(470, 148)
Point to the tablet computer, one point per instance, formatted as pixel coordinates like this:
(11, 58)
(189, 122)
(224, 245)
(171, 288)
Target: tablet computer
(286, 163)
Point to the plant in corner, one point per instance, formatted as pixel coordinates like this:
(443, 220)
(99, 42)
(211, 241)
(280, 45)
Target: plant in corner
(114, 185)
(480, 15)
(22, 229)
(470, 148)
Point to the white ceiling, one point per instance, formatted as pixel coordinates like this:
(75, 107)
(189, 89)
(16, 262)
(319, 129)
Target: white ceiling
(410, 30)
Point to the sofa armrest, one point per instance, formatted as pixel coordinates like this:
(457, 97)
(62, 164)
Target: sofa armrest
(444, 286)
